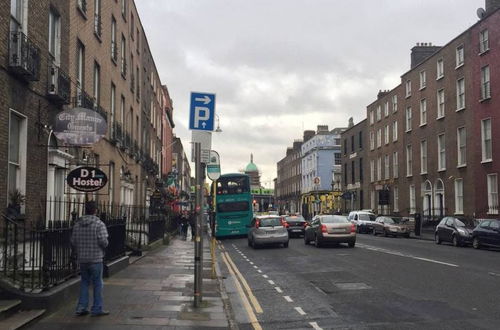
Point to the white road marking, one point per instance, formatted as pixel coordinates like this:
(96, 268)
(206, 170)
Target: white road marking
(400, 254)
(315, 326)
(265, 276)
(278, 289)
(251, 263)
(271, 282)
(287, 298)
(260, 271)
(300, 311)
(255, 267)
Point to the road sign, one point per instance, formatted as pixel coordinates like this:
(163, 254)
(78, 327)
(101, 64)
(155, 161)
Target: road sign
(202, 111)
(205, 140)
(213, 166)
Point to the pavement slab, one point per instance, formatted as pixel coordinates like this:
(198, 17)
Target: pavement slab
(154, 292)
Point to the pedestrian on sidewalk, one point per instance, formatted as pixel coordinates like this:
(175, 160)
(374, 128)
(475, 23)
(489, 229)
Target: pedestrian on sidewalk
(184, 224)
(90, 239)
(192, 224)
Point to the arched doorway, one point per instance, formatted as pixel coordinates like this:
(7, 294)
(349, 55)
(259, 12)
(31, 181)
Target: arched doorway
(439, 206)
(427, 199)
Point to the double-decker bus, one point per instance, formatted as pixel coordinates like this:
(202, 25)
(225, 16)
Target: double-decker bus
(233, 200)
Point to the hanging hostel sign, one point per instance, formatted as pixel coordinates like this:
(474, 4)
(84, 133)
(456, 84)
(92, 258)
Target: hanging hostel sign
(80, 126)
(87, 179)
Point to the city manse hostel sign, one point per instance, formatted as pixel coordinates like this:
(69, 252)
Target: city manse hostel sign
(87, 179)
(79, 126)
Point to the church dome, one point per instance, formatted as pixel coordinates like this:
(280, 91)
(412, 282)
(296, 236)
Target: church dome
(251, 167)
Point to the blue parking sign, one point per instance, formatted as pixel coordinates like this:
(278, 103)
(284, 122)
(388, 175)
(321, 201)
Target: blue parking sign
(202, 111)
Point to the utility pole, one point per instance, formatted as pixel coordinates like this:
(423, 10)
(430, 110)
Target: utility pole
(198, 245)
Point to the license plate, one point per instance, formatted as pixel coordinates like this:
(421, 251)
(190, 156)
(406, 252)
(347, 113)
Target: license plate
(297, 230)
(340, 230)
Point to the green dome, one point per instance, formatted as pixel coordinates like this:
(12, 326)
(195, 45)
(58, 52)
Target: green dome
(251, 167)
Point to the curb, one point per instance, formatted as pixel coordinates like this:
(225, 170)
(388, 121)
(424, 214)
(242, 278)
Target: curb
(224, 296)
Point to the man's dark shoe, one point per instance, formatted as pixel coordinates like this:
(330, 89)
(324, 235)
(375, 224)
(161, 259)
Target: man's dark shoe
(81, 313)
(101, 313)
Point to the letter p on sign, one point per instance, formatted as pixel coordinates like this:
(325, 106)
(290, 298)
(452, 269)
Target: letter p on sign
(201, 114)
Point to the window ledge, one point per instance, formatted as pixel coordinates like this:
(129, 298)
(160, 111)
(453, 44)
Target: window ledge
(114, 61)
(460, 109)
(459, 213)
(440, 77)
(486, 161)
(98, 37)
(438, 118)
(408, 96)
(486, 51)
(409, 176)
(423, 173)
(485, 99)
(462, 166)
(492, 213)
(83, 13)
(422, 88)
(408, 131)
(422, 125)
(394, 141)
(459, 66)
(442, 170)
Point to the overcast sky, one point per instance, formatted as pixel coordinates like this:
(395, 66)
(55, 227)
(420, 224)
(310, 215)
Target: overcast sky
(279, 67)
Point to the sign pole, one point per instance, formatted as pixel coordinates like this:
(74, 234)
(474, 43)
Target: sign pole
(198, 245)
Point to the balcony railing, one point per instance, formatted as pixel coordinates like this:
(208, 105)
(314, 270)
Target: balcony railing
(117, 133)
(82, 4)
(132, 82)
(97, 25)
(24, 57)
(59, 85)
(84, 100)
(124, 67)
(114, 51)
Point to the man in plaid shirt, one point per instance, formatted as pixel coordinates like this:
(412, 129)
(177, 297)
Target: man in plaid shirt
(90, 239)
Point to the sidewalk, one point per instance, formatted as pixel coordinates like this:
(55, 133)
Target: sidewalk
(155, 292)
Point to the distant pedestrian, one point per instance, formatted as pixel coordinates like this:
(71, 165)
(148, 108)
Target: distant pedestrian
(192, 224)
(90, 239)
(184, 224)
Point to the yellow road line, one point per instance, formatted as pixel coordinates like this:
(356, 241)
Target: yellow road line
(253, 319)
(252, 298)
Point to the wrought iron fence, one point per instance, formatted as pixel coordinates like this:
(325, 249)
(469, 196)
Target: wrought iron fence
(35, 256)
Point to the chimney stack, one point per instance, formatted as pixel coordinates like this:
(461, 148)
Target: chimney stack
(308, 135)
(492, 5)
(422, 51)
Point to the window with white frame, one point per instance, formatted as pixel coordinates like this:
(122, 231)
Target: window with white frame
(486, 147)
(97, 17)
(17, 152)
(18, 16)
(483, 41)
(423, 79)
(372, 140)
(460, 56)
(461, 94)
(423, 112)
(413, 201)
(394, 131)
(387, 134)
(440, 103)
(492, 193)
(55, 36)
(379, 112)
(372, 199)
(371, 117)
(485, 83)
(372, 170)
(97, 83)
(80, 71)
(123, 56)
(394, 103)
(396, 199)
(395, 165)
(387, 166)
(409, 161)
(386, 108)
(122, 110)
(114, 47)
(441, 152)
(112, 104)
(408, 119)
(459, 196)
(379, 138)
(440, 68)
(461, 146)
(379, 168)
(408, 88)
(423, 157)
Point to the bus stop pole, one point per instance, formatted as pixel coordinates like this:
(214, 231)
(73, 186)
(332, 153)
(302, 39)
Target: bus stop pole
(198, 245)
(212, 228)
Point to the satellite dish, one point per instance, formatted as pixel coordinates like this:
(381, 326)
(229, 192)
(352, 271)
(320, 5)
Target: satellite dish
(480, 13)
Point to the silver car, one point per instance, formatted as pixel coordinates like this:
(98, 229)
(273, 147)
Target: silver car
(267, 230)
(330, 229)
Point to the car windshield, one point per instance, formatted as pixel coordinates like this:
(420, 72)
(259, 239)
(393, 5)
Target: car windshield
(334, 219)
(270, 222)
(459, 223)
(366, 217)
(397, 220)
(295, 218)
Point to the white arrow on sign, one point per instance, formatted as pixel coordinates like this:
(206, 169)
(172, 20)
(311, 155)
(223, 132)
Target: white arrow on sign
(203, 124)
(205, 99)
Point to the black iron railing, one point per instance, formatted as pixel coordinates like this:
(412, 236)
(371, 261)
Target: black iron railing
(97, 25)
(24, 56)
(59, 85)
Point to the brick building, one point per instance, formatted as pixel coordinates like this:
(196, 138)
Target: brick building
(353, 181)
(288, 182)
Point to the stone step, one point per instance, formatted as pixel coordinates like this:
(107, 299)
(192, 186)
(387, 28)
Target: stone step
(8, 307)
(20, 319)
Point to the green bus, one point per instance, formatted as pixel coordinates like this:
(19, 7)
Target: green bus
(233, 200)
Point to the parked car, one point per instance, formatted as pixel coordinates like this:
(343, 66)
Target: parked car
(330, 229)
(487, 233)
(295, 224)
(266, 230)
(394, 226)
(363, 220)
(455, 230)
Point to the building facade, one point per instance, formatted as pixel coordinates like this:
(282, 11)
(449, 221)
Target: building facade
(288, 182)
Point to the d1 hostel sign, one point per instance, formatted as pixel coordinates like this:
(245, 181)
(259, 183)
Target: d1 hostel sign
(87, 179)
(79, 126)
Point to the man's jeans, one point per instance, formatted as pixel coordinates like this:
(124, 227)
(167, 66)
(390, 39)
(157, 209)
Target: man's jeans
(91, 273)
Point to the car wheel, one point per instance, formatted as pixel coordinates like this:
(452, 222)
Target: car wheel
(385, 233)
(374, 232)
(249, 242)
(475, 243)
(437, 239)
(455, 241)
(317, 242)
(285, 245)
(352, 244)
(306, 241)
